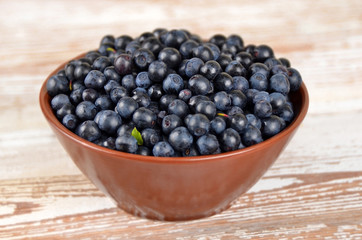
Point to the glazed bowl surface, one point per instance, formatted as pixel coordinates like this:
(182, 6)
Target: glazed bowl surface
(173, 188)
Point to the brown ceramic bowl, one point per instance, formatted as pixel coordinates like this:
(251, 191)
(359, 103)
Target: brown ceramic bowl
(173, 188)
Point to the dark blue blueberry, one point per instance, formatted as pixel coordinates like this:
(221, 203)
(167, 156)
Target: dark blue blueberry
(86, 110)
(223, 82)
(92, 55)
(144, 36)
(215, 50)
(170, 122)
(241, 83)
(286, 112)
(185, 95)
(259, 68)
(76, 96)
(187, 47)
(222, 101)
(101, 63)
(263, 109)
(88, 130)
(165, 100)
(203, 52)
(262, 95)
(123, 64)
(143, 58)
(271, 62)
(190, 152)
(129, 82)
(173, 84)
(207, 108)
(194, 100)
(250, 94)
(238, 98)
(57, 84)
(253, 120)
(59, 101)
(150, 137)
(103, 102)
(279, 83)
(217, 125)
(277, 100)
(139, 90)
(235, 68)
(259, 81)
(95, 79)
(132, 47)
(67, 108)
(238, 122)
(279, 69)
(125, 129)
(105, 49)
(174, 38)
(251, 136)
(142, 98)
(144, 118)
(142, 80)
(157, 71)
(126, 143)
(234, 43)
(285, 62)
(70, 121)
(250, 48)
(110, 85)
(81, 70)
(122, 41)
(126, 107)
(262, 53)
(111, 74)
(295, 79)
(107, 142)
(155, 92)
(163, 149)
(107, 39)
(178, 107)
(224, 60)
(207, 144)
(193, 66)
(144, 151)
(153, 44)
(234, 110)
(229, 140)
(170, 56)
(90, 94)
(218, 40)
(118, 93)
(200, 85)
(180, 139)
(210, 69)
(244, 58)
(108, 121)
(198, 124)
(272, 126)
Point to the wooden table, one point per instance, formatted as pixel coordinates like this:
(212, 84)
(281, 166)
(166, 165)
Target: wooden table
(313, 191)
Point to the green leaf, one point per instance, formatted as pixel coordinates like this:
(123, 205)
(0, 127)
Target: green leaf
(137, 135)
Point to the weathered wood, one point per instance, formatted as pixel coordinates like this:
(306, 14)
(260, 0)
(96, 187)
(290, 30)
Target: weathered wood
(313, 191)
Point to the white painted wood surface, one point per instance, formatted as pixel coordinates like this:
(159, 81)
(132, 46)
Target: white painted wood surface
(313, 191)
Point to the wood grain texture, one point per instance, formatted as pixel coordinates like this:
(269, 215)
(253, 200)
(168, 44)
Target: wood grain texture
(313, 191)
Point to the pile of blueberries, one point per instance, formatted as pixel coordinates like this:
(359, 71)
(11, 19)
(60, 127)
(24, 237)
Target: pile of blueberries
(168, 93)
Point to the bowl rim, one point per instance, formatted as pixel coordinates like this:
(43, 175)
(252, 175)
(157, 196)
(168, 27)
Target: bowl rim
(44, 100)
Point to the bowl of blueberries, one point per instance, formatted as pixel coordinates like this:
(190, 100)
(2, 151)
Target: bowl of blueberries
(171, 126)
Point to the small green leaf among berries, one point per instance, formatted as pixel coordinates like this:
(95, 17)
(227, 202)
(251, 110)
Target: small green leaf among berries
(137, 135)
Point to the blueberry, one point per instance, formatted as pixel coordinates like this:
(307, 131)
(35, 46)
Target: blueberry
(57, 84)
(81, 70)
(59, 101)
(123, 64)
(295, 79)
(144, 118)
(128, 82)
(198, 124)
(277, 100)
(259, 68)
(272, 126)
(118, 93)
(125, 129)
(150, 137)
(253, 120)
(251, 135)
(70, 121)
(95, 79)
(170, 56)
(271, 62)
(143, 58)
(262, 53)
(173, 84)
(155, 91)
(238, 122)
(259, 81)
(238, 98)
(126, 143)
(103, 102)
(165, 100)
(175, 38)
(142, 80)
(88, 130)
(203, 52)
(111, 74)
(163, 149)
(240, 83)
(92, 55)
(153, 44)
(157, 71)
(217, 125)
(229, 140)
(263, 109)
(207, 144)
(107, 142)
(222, 101)
(122, 41)
(218, 40)
(90, 94)
(285, 62)
(250, 94)
(193, 66)
(207, 108)
(286, 112)
(235, 68)
(199, 85)
(139, 90)
(234, 43)
(67, 108)
(223, 82)
(234, 110)
(215, 49)
(142, 98)
(194, 100)
(210, 69)
(178, 107)
(244, 58)
(108, 121)
(110, 85)
(262, 95)
(185, 95)
(180, 139)
(101, 63)
(126, 107)
(279, 83)
(86, 110)
(187, 47)
(224, 60)
(170, 122)
(76, 96)
(132, 47)
(190, 152)
(279, 69)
